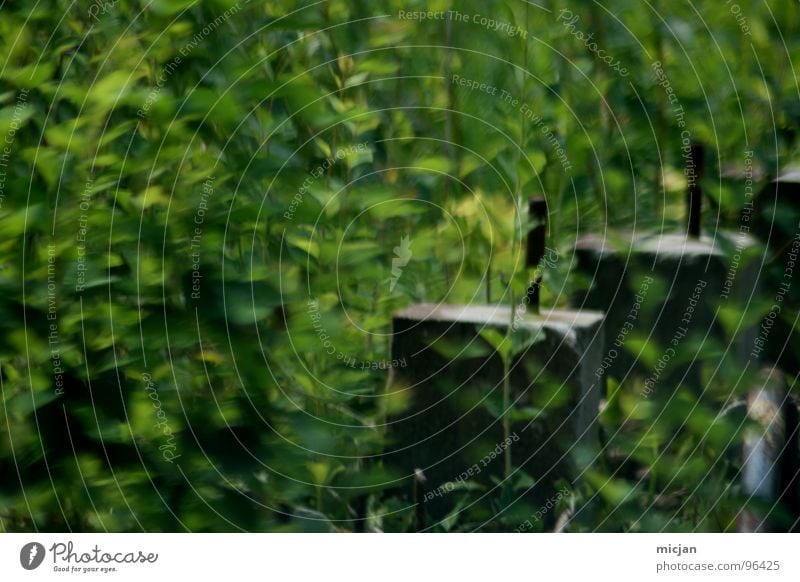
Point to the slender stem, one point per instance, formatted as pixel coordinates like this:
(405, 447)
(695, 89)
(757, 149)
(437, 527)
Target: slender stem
(508, 355)
(489, 282)
(522, 124)
(660, 122)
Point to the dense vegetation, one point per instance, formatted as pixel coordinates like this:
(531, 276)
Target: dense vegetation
(203, 209)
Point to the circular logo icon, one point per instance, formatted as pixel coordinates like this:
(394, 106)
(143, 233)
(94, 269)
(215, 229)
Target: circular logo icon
(31, 555)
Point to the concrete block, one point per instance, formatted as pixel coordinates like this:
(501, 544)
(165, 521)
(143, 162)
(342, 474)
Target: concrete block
(698, 275)
(453, 428)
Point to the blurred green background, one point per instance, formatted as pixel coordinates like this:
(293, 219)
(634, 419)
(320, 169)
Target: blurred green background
(181, 179)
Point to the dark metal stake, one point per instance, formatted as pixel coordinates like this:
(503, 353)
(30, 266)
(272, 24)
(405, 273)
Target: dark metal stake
(694, 192)
(537, 236)
(534, 294)
(361, 514)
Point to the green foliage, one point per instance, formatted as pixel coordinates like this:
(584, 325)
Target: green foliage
(200, 210)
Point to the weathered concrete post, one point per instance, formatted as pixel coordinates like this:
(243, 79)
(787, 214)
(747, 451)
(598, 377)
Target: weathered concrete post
(464, 363)
(777, 222)
(698, 274)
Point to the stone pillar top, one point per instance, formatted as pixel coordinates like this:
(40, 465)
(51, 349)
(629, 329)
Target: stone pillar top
(668, 244)
(498, 315)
